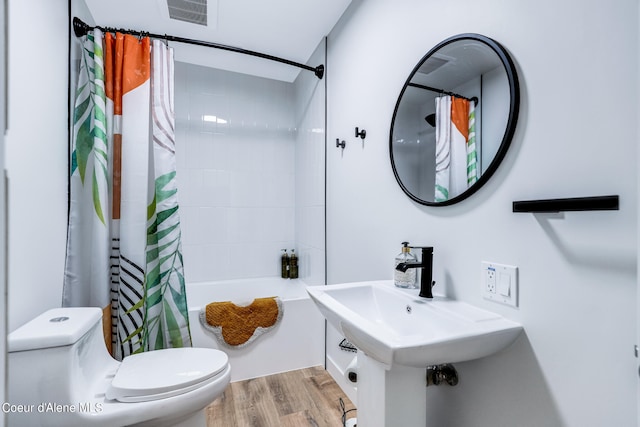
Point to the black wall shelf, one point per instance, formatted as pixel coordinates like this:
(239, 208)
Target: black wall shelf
(597, 203)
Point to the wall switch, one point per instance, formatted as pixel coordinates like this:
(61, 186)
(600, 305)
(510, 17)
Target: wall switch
(499, 283)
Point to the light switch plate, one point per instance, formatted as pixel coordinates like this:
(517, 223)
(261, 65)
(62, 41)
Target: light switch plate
(499, 283)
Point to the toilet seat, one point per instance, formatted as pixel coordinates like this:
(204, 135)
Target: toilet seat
(165, 373)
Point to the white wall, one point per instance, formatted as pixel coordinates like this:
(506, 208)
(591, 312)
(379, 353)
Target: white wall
(236, 177)
(576, 136)
(310, 95)
(253, 183)
(495, 106)
(3, 217)
(36, 155)
(638, 231)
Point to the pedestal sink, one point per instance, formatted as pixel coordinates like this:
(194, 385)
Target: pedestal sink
(398, 335)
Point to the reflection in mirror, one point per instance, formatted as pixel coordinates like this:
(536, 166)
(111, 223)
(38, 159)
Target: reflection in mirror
(454, 119)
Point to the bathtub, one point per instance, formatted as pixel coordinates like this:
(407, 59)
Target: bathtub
(296, 342)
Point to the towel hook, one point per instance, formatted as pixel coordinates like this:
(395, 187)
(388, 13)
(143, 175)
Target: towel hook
(362, 134)
(340, 144)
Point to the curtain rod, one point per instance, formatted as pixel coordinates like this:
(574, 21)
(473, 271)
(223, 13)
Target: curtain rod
(81, 28)
(433, 89)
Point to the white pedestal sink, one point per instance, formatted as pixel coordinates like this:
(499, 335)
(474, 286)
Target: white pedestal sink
(398, 335)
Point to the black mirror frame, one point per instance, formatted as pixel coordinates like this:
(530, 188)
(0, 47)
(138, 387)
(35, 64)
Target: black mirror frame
(514, 108)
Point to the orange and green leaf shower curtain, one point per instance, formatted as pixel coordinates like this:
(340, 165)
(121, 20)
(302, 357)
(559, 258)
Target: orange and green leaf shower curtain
(443, 147)
(145, 282)
(166, 303)
(456, 158)
(87, 278)
(459, 135)
(472, 152)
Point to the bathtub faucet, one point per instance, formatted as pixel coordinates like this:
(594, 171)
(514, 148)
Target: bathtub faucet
(426, 265)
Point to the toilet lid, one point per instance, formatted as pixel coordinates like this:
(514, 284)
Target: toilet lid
(164, 373)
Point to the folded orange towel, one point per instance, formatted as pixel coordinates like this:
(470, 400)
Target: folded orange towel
(239, 325)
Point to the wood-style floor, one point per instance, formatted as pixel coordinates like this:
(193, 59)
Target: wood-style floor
(306, 397)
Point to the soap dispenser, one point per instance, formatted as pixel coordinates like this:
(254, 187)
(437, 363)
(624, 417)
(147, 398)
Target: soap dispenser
(406, 279)
(293, 265)
(284, 265)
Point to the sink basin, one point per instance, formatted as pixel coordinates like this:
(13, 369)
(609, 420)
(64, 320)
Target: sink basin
(396, 326)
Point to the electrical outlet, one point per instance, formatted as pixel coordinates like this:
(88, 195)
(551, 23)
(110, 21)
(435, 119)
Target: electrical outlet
(490, 280)
(499, 283)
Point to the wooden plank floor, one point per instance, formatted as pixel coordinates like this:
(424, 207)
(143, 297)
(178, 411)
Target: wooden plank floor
(306, 397)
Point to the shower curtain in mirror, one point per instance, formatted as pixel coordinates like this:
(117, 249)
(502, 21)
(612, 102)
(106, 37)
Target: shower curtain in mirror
(456, 157)
(123, 246)
(472, 152)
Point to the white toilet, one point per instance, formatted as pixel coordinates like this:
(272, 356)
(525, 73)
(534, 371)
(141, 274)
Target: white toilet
(60, 373)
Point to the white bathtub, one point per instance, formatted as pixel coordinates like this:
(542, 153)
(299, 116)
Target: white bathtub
(296, 342)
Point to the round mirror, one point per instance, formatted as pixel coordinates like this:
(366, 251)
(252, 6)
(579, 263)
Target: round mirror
(454, 120)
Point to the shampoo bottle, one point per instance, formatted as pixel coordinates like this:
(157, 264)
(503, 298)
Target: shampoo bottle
(293, 265)
(406, 279)
(284, 265)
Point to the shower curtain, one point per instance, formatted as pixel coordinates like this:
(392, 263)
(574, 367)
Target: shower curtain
(443, 147)
(456, 157)
(472, 153)
(123, 248)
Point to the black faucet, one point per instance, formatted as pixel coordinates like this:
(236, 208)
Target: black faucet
(426, 265)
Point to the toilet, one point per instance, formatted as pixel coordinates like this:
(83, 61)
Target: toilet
(60, 373)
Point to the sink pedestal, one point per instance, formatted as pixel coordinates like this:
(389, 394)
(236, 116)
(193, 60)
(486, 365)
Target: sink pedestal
(395, 396)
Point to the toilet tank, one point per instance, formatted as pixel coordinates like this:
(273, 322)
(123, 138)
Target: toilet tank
(57, 327)
(58, 357)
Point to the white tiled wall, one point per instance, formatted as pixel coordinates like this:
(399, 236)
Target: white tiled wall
(239, 173)
(310, 98)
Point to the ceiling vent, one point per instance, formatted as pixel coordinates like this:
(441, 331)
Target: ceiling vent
(432, 64)
(192, 11)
